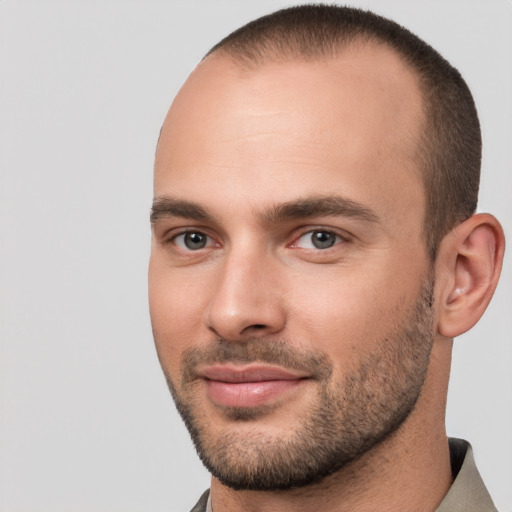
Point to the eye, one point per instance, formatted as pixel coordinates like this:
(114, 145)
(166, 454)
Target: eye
(318, 239)
(192, 241)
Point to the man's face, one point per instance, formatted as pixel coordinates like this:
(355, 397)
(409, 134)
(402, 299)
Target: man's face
(289, 288)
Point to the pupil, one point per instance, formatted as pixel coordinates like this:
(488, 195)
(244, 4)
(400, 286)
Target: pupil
(323, 239)
(195, 240)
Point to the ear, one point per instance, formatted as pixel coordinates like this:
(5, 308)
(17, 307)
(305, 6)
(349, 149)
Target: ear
(468, 267)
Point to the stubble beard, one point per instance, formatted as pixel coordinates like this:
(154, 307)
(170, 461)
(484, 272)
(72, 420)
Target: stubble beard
(349, 416)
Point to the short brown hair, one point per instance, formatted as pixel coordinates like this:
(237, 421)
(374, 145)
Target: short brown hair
(450, 147)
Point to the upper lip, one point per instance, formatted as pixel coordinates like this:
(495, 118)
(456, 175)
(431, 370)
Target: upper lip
(251, 373)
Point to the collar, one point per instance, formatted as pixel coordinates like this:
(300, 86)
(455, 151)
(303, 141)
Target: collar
(468, 492)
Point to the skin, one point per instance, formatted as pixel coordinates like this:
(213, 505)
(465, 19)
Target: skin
(241, 142)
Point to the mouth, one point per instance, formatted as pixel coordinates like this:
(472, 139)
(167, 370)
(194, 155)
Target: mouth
(248, 385)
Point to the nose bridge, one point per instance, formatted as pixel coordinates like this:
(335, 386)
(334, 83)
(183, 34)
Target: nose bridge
(246, 299)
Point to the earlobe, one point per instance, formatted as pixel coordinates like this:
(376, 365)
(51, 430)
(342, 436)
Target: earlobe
(470, 260)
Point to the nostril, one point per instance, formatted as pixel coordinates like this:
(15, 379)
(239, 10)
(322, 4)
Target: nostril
(256, 327)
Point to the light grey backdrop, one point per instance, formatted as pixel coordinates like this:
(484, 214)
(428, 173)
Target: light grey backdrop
(86, 423)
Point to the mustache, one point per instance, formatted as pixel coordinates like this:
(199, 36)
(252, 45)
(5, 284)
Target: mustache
(314, 363)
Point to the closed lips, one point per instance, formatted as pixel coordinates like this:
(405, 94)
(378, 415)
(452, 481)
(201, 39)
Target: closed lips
(233, 374)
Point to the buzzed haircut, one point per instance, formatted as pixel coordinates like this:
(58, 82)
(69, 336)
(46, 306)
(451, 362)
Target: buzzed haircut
(450, 146)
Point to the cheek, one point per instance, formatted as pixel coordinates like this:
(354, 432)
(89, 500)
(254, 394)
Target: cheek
(345, 315)
(176, 307)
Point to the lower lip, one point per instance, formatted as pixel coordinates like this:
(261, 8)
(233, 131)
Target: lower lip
(249, 394)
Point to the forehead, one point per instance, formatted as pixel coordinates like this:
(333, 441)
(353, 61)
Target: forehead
(300, 127)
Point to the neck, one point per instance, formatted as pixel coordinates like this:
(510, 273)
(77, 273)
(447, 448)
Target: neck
(410, 470)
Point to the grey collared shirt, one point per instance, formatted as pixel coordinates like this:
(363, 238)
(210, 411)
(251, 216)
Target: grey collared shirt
(467, 493)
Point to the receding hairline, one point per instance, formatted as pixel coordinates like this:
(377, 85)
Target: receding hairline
(246, 60)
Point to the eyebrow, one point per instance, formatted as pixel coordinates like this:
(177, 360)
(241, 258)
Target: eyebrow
(320, 206)
(170, 207)
(315, 206)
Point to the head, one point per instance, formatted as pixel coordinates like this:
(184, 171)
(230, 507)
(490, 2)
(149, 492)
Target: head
(315, 182)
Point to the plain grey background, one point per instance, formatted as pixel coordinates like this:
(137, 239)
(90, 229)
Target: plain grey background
(86, 421)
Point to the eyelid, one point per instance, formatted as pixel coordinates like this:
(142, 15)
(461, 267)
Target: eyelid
(171, 235)
(341, 234)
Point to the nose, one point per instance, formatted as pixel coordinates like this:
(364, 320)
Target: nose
(247, 300)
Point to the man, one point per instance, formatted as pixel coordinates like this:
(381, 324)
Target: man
(315, 251)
